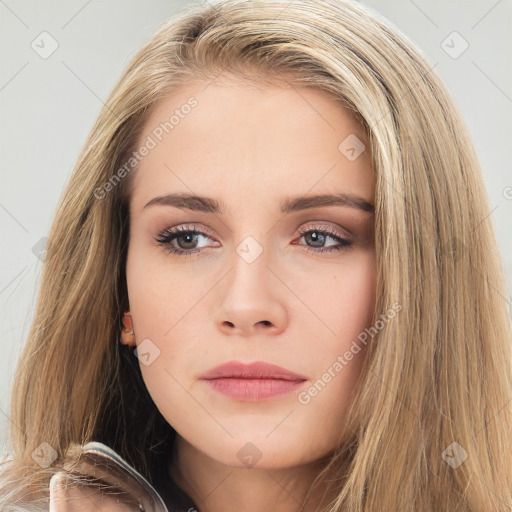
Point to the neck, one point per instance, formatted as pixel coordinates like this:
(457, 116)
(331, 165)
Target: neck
(216, 487)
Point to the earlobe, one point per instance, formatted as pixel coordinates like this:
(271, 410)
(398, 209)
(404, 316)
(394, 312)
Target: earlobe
(127, 332)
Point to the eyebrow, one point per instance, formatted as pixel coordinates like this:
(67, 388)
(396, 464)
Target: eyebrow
(288, 205)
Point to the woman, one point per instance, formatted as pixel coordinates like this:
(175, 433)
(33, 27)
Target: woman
(271, 284)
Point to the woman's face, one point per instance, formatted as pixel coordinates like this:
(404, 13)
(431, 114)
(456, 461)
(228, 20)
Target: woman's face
(268, 274)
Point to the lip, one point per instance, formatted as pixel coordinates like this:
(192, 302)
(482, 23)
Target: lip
(252, 382)
(257, 370)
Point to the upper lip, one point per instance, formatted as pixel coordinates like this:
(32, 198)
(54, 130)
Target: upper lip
(256, 370)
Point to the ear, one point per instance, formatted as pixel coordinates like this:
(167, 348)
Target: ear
(127, 332)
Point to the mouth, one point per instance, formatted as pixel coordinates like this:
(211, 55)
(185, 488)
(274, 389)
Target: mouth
(252, 382)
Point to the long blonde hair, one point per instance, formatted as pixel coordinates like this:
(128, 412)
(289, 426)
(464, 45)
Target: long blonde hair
(438, 374)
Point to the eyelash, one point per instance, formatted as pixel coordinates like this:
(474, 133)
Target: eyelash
(168, 235)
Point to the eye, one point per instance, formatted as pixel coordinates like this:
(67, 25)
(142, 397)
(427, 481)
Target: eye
(319, 236)
(185, 240)
(182, 240)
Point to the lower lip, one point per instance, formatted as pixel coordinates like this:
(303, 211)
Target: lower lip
(253, 390)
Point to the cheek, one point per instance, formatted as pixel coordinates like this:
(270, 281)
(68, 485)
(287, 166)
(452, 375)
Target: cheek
(156, 292)
(343, 300)
(159, 302)
(344, 306)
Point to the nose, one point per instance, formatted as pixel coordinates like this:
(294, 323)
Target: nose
(251, 300)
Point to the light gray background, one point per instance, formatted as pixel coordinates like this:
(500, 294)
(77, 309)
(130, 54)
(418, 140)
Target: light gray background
(49, 105)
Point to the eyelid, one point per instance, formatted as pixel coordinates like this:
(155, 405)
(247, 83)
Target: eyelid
(334, 230)
(188, 227)
(304, 228)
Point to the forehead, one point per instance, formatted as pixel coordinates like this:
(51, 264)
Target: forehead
(262, 137)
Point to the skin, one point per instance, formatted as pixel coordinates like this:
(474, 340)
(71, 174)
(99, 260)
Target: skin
(251, 145)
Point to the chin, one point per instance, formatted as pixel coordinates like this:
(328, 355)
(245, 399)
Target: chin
(262, 453)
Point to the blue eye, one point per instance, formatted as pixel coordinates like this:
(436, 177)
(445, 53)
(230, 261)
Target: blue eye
(320, 236)
(184, 240)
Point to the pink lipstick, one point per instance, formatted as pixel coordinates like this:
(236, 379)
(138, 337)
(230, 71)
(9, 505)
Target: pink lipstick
(252, 382)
